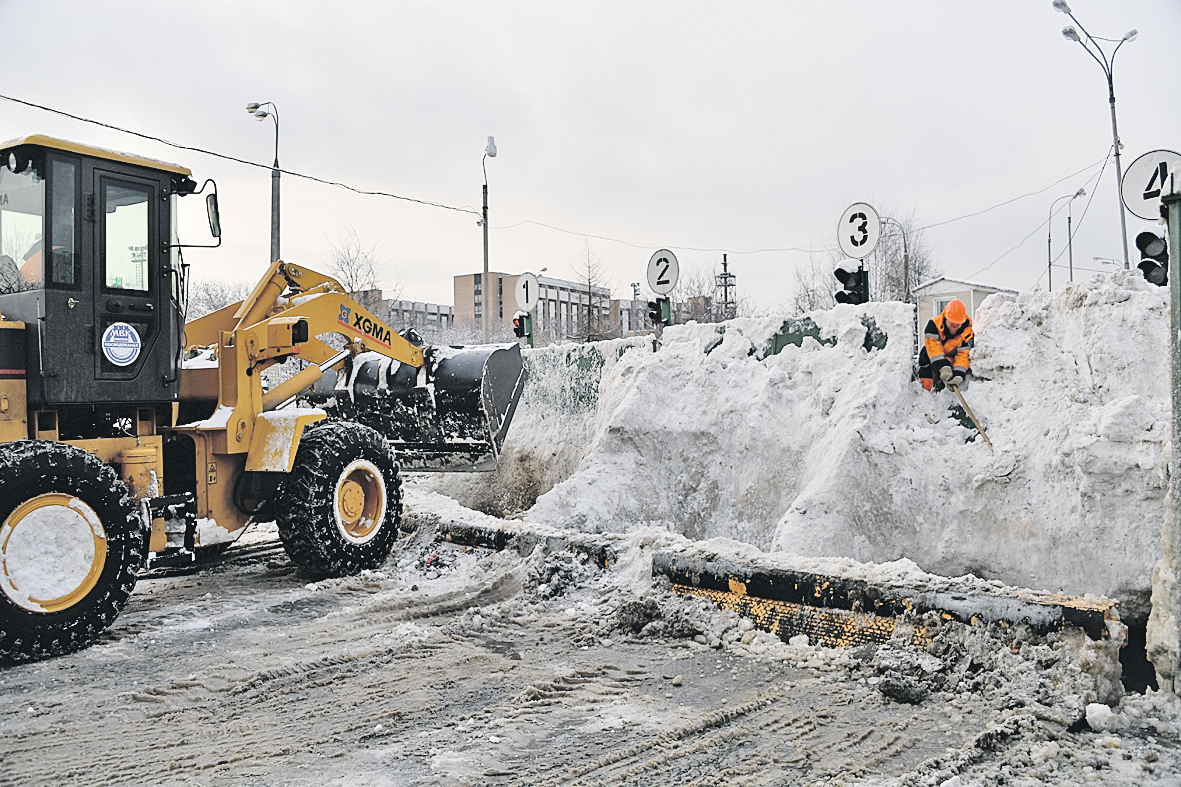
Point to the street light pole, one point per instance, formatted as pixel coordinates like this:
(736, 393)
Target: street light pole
(489, 150)
(260, 115)
(905, 258)
(1071, 33)
(631, 320)
(1049, 227)
(1070, 239)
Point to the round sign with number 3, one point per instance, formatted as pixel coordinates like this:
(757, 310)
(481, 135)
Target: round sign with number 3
(859, 230)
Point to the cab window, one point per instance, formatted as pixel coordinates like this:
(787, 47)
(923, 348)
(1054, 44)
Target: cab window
(22, 211)
(63, 190)
(126, 230)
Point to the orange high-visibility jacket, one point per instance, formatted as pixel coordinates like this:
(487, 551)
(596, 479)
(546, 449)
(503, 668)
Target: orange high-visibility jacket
(945, 348)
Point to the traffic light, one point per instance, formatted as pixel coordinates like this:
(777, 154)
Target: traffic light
(519, 327)
(1154, 257)
(856, 284)
(659, 312)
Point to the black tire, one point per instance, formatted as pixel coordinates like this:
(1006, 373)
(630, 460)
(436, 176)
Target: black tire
(40, 487)
(317, 509)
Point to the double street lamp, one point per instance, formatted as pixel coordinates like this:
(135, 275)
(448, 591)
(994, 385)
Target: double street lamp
(261, 114)
(1071, 33)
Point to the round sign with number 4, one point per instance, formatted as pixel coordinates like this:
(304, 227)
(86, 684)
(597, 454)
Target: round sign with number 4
(1152, 176)
(859, 230)
(663, 272)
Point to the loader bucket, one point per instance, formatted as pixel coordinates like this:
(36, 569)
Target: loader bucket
(451, 415)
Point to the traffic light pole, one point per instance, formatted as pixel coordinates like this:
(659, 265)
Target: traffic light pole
(1164, 636)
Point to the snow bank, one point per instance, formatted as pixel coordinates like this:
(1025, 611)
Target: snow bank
(560, 412)
(830, 449)
(1073, 496)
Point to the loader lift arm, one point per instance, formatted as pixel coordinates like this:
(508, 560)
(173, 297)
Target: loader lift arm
(439, 408)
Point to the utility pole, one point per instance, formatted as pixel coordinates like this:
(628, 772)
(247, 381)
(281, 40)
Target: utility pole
(484, 288)
(632, 324)
(1069, 240)
(489, 150)
(275, 198)
(261, 114)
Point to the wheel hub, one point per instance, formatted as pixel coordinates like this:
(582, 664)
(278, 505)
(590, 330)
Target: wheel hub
(360, 501)
(352, 501)
(52, 551)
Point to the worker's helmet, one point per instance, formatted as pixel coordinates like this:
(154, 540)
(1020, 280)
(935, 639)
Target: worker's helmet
(955, 312)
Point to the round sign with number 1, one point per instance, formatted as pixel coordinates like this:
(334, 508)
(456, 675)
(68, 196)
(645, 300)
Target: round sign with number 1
(859, 230)
(528, 292)
(663, 272)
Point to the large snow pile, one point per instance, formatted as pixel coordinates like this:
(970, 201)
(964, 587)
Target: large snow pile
(829, 449)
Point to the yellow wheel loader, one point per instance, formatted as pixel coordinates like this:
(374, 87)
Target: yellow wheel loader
(130, 438)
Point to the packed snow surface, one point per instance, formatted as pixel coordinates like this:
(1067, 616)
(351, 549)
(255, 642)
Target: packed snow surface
(453, 665)
(830, 449)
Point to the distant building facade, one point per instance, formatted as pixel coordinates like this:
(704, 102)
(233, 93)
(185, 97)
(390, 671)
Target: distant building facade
(470, 297)
(400, 314)
(566, 310)
(934, 295)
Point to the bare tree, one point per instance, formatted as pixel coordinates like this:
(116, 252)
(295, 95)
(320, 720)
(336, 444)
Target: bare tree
(209, 295)
(902, 246)
(696, 290)
(590, 319)
(352, 263)
(815, 285)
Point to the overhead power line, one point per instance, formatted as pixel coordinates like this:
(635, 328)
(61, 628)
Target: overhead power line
(1023, 196)
(239, 160)
(1090, 197)
(474, 212)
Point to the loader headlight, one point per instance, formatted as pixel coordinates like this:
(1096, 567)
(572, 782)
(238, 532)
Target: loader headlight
(16, 164)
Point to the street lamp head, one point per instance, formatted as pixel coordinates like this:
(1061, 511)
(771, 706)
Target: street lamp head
(1130, 35)
(1080, 193)
(490, 148)
(1071, 34)
(1060, 5)
(252, 107)
(260, 114)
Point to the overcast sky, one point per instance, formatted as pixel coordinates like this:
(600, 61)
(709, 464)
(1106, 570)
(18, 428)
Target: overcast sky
(715, 126)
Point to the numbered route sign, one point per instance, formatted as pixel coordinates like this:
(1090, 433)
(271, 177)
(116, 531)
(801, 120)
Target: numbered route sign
(528, 293)
(663, 272)
(859, 230)
(1150, 177)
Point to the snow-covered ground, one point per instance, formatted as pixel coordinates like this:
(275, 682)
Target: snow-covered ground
(826, 449)
(461, 666)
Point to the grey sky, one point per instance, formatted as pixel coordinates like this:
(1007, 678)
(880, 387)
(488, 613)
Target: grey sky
(732, 126)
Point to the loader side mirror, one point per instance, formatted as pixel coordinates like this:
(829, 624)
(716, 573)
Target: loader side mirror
(214, 217)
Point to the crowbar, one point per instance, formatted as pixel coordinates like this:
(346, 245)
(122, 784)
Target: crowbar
(971, 414)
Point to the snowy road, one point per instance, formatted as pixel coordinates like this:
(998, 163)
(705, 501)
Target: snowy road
(462, 666)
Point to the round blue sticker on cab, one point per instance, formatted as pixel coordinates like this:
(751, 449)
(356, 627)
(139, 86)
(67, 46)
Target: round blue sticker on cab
(121, 344)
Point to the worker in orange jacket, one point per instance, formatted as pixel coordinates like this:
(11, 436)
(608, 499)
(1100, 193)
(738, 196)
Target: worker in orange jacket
(946, 341)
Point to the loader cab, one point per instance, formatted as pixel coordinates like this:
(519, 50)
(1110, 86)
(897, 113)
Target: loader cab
(88, 261)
